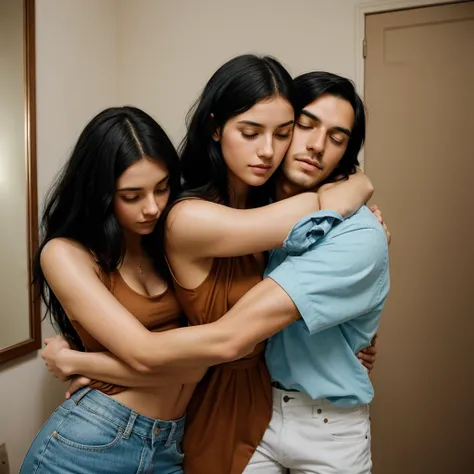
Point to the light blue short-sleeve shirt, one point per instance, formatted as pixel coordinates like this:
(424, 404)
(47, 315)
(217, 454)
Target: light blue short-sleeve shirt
(336, 272)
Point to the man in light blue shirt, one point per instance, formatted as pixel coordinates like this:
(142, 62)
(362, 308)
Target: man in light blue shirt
(336, 273)
(339, 291)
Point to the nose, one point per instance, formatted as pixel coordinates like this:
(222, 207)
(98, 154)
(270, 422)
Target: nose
(151, 207)
(266, 150)
(317, 142)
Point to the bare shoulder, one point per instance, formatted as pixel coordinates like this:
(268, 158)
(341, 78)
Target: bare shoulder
(191, 220)
(189, 211)
(65, 253)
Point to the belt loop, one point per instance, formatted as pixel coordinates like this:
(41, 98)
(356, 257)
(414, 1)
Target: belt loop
(172, 432)
(131, 422)
(81, 395)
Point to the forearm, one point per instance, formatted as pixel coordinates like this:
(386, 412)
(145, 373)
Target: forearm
(188, 347)
(262, 312)
(106, 367)
(276, 220)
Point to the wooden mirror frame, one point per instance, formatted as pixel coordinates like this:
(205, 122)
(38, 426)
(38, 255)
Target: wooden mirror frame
(34, 341)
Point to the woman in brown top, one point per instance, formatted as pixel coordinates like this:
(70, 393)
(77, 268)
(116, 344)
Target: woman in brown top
(98, 224)
(237, 137)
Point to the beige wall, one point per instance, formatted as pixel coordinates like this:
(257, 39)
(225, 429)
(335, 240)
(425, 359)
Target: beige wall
(168, 49)
(76, 77)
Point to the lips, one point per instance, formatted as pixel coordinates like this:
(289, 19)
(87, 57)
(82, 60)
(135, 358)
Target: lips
(310, 162)
(260, 170)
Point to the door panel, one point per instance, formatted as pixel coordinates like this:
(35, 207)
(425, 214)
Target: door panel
(419, 91)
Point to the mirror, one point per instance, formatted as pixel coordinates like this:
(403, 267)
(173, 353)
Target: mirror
(20, 319)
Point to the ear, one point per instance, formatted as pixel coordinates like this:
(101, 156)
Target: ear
(216, 135)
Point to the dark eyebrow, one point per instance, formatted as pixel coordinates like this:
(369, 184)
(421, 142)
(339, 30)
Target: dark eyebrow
(343, 130)
(141, 189)
(255, 124)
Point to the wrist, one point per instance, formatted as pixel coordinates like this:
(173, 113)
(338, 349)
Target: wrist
(333, 202)
(65, 362)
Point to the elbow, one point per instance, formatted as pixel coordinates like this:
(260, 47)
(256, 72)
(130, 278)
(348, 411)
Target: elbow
(231, 343)
(140, 366)
(370, 190)
(141, 362)
(234, 350)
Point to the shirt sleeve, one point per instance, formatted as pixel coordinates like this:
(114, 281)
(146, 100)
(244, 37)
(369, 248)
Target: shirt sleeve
(338, 278)
(310, 230)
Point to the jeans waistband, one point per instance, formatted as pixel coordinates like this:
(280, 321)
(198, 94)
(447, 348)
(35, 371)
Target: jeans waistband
(295, 399)
(130, 421)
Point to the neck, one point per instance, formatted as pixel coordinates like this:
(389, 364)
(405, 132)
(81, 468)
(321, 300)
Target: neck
(133, 244)
(285, 189)
(238, 193)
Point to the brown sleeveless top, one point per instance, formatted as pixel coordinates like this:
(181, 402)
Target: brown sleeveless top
(232, 405)
(156, 313)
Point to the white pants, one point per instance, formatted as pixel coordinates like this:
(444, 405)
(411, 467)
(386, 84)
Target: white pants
(313, 436)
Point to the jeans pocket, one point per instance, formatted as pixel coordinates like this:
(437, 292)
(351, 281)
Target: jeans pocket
(40, 443)
(350, 424)
(177, 449)
(87, 431)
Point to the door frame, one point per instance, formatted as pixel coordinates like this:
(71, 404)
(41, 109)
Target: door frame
(376, 6)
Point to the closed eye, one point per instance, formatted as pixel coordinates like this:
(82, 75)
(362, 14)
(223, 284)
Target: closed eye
(250, 136)
(303, 127)
(130, 198)
(163, 190)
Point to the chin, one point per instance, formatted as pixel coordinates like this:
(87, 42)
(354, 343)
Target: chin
(144, 231)
(254, 180)
(259, 181)
(303, 180)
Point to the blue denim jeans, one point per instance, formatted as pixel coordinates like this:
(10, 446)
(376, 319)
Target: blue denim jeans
(92, 433)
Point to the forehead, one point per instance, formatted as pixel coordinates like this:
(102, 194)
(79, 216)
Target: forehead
(332, 111)
(272, 112)
(143, 173)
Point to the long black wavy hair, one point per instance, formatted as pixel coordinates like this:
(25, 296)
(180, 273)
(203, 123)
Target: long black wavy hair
(79, 205)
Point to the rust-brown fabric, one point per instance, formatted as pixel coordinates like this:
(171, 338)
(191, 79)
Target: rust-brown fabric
(156, 313)
(231, 407)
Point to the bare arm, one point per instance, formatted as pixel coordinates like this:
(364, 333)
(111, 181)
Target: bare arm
(71, 273)
(108, 368)
(272, 306)
(63, 363)
(202, 229)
